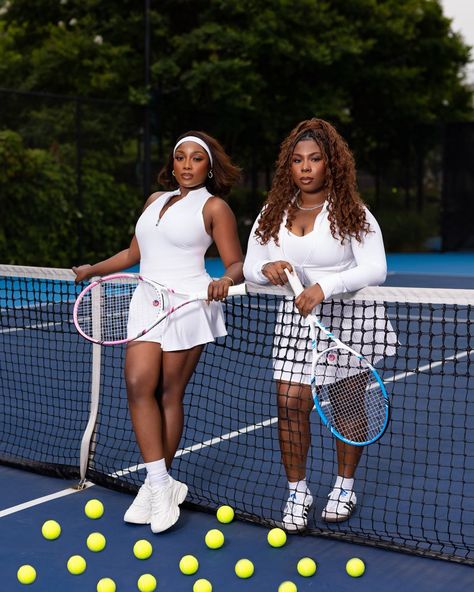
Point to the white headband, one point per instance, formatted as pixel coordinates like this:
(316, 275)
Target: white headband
(197, 140)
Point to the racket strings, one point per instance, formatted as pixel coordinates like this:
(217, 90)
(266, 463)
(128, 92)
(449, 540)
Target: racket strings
(350, 396)
(111, 310)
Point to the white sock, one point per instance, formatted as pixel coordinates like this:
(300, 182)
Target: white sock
(344, 483)
(299, 488)
(157, 473)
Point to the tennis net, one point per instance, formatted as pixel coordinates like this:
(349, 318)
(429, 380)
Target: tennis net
(63, 411)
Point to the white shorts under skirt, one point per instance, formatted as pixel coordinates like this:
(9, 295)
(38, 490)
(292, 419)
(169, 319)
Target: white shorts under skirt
(364, 327)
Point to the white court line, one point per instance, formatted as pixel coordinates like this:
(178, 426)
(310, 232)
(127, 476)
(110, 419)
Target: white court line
(43, 500)
(211, 442)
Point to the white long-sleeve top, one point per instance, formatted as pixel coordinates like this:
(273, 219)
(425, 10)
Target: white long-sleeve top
(319, 258)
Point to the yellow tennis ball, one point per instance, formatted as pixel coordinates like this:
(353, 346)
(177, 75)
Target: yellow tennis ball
(146, 583)
(355, 567)
(94, 509)
(287, 587)
(106, 585)
(202, 585)
(142, 549)
(51, 530)
(244, 568)
(26, 574)
(76, 564)
(225, 514)
(95, 541)
(306, 567)
(188, 565)
(276, 537)
(214, 539)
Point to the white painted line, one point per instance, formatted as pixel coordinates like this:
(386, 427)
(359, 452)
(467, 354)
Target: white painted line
(43, 500)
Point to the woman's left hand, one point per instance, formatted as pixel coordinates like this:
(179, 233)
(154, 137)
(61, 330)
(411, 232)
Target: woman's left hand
(218, 289)
(308, 299)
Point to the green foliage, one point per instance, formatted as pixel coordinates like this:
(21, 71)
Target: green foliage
(246, 71)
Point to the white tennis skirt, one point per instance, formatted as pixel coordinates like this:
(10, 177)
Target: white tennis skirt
(364, 327)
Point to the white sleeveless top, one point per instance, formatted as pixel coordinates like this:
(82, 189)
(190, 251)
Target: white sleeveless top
(172, 249)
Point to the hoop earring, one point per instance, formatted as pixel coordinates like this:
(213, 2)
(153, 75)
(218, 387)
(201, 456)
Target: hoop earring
(172, 172)
(210, 174)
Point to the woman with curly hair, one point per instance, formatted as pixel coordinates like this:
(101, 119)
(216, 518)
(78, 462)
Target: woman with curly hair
(315, 224)
(172, 235)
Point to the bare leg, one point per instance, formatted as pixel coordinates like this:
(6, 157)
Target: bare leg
(142, 373)
(178, 367)
(348, 458)
(294, 406)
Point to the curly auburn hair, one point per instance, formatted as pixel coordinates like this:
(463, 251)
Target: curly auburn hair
(345, 207)
(225, 173)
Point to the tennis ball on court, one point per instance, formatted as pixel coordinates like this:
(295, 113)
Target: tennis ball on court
(146, 583)
(106, 585)
(276, 537)
(26, 574)
(287, 587)
(202, 585)
(188, 565)
(355, 567)
(51, 530)
(225, 514)
(94, 509)
(95, 542)
(306, 567)
(214, 539)
(76, 564)
(142, 549)
(244, 568)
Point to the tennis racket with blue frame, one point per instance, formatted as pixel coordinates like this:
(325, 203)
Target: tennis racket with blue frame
(348, 392)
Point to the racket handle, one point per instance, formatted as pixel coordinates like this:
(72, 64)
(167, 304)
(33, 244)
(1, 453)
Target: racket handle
(238, 290)
(294, 282)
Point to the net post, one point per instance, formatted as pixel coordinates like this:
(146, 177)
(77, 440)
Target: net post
(88, 438)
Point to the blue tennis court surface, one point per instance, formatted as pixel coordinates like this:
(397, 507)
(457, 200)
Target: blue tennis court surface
(20, 531)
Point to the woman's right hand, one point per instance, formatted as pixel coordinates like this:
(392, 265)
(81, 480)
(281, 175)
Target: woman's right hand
(275, 272)
(83, 272)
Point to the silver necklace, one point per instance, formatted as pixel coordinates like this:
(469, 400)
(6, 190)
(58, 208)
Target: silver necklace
(308, 209)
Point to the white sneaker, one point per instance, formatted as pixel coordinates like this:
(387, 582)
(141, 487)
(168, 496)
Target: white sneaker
(164, 507)
(140, 510)
(295, 514)
(341, 504)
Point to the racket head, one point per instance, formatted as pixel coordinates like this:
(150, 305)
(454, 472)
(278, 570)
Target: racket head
(118, 308)
(349, 396)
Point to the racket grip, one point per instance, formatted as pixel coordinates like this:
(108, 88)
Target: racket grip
(294, 282)
(238, 290)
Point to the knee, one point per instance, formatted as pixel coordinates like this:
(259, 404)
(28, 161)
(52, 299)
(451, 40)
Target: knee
(171, 397)
(291, 408)
(139, 388)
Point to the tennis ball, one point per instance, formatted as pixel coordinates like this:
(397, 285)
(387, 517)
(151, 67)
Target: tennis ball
(188, 565)
(355, 567)
(214, 539)
(306, 567)
(76, 564)
(287, 587)
(225, 514)
(276, 537)
(94, 509)
(142, 549)
(106, 585)
(26, 574)
(95, 541)
(202, 585)
(244, 568)
(146, 583)
(51, 530)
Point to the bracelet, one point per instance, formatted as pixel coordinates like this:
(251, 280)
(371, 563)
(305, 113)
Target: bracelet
(227, 277)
